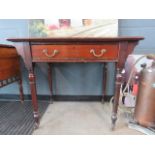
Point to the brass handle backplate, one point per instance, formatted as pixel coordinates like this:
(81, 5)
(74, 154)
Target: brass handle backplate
(54, 52)
(103, 51)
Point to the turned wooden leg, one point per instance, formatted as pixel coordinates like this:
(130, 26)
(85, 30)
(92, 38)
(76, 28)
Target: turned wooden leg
(34, 98)
(21, 91)
(104, 81)
(116, 97)
(50, 81)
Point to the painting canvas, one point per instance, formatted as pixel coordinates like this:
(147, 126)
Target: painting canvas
(73, 27)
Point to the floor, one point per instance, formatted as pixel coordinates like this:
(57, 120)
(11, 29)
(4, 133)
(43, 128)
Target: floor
(17, 118)
(68, 118)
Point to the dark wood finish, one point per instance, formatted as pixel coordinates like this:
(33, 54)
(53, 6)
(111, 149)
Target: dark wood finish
(105, 69)
(34, 98)
(44, 53)
(118, 83)
(10, 68)
(77, 40)
(21, 90)
(52, 50)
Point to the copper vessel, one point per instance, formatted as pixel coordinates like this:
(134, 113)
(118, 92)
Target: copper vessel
(145, 103)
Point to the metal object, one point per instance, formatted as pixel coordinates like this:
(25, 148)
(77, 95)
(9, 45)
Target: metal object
(98, 55)
(45, 51)
(135, 126)
(145, 103)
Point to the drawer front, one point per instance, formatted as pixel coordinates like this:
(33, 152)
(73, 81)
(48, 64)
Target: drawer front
(75, 52)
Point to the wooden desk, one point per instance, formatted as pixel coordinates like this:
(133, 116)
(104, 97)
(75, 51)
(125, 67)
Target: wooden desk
(52, 50)
(10, 67)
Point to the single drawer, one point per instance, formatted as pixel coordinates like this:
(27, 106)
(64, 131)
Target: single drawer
(75, 52)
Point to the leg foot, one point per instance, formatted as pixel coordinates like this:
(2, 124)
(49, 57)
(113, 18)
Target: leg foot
(51, 101)
(102, 100)
(36, 126)
(36, 119)
(21, 91)
(113, 121)
(116, 98)
(22, 102)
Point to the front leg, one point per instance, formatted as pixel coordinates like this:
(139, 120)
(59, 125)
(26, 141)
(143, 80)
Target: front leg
(105, 69)
(21, 90)
(34, 98)
(50, 81)
(116, 97)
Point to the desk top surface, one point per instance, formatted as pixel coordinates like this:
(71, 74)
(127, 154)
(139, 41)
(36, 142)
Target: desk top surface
(76, 39)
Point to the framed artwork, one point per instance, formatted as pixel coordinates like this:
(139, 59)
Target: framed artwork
(73, 27)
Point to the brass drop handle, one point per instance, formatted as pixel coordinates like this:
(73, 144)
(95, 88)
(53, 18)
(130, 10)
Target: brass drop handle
(45, 51)
(98, 55)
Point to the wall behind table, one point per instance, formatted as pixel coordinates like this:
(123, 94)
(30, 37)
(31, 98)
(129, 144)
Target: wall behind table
(14, 28)
(76, 79)
(68, 79)
(140, 27)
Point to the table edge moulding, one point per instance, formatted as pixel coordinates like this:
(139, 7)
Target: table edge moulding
(65, 49)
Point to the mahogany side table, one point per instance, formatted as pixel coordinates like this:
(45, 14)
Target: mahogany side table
(57, 50)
